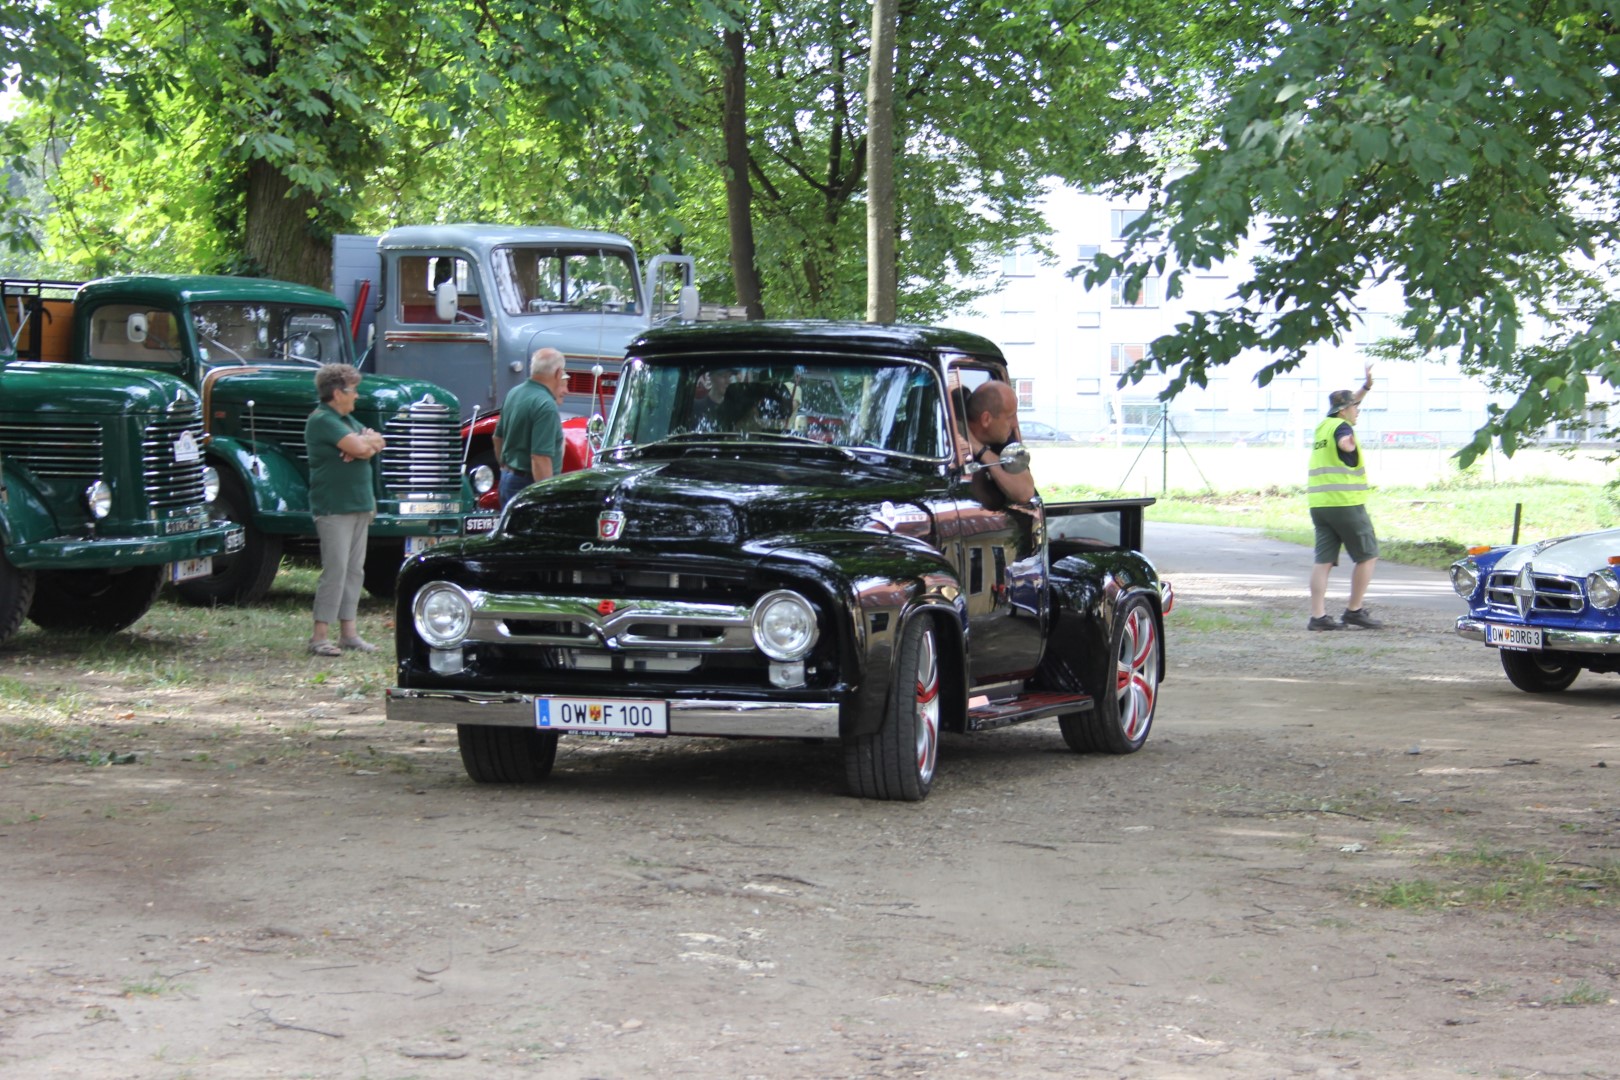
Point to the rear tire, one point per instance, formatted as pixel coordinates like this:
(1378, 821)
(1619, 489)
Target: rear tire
(898, 760)
(1127, 692)
(96, 601)
(1538, 673)
(506, 755)
(16, 594)
(245, 576)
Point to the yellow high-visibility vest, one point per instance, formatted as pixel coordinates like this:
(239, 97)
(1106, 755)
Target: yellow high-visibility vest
(1332, 482)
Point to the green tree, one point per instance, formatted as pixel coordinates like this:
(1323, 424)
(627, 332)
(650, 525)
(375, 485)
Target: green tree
(1463, 148)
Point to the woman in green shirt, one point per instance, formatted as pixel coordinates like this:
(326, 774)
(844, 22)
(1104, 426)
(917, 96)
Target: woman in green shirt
(343, 500)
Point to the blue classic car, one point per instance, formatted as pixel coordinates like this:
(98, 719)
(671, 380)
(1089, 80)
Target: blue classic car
(1549, 608)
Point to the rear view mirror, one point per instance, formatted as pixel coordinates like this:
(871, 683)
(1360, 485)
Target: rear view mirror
(135, 327)
(1015, 458)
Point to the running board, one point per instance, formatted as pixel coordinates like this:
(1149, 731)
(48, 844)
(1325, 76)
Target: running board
(1035, 706)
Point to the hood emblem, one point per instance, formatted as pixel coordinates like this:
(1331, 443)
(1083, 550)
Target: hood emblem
(610, 525)
(606, 607)
(1524, 591)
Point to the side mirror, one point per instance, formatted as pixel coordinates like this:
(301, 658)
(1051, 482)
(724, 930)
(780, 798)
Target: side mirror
(687, 309)
(1015, 458)
(444, 301)
(135, 328)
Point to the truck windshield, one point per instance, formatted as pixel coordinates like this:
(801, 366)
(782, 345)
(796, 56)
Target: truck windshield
(546, 280)
(883, 405)
(244, 333)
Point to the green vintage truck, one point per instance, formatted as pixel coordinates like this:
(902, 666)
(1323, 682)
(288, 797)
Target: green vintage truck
(250, 348)
(104, 493)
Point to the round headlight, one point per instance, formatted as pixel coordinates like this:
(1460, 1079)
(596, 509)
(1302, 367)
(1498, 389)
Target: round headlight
(1464, 578)
(1602, 591)
(210, 483)
(442, 614)
(784, 626)
(482, 477)
(98, 497)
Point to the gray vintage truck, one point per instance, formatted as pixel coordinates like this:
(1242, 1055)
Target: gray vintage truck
(249, 348)
(806, 555)
(104, 492)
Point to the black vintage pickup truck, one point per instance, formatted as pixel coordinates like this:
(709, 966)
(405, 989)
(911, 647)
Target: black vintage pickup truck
(781, 537)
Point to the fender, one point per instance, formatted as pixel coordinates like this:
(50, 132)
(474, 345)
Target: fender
(277, 485)
(1096, 587)
(24, 515)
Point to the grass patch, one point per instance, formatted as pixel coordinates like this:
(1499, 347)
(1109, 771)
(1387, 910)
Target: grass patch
(1486, 878)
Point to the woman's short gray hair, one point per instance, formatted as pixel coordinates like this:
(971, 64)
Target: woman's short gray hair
(334, 377)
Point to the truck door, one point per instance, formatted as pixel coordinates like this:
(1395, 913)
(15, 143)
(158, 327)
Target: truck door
(415, 342)
(1000, 553)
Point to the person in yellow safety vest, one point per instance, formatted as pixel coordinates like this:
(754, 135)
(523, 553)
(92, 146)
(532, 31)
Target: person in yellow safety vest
(1337, 494)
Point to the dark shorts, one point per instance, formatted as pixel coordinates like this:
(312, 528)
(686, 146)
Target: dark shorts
(1346, 526)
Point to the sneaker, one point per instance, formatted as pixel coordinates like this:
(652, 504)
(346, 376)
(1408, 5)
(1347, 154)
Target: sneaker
(1321, 622)
(1359, 617)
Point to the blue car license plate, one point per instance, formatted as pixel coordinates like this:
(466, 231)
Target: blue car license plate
(1513, 637)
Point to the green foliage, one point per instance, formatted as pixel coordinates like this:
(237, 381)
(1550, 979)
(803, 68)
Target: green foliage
(1464, 149)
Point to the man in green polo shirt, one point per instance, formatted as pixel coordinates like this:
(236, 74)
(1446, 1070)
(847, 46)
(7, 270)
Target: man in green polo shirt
(1337, 494)
(528, 437)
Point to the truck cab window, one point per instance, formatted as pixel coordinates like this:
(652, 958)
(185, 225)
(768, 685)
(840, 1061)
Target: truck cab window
(419, 279)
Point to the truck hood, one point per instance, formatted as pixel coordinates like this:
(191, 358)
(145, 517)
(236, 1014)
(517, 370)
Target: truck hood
(1573, 556)
(67, 390)
(581, 337)
(292, 388)
(710, 505)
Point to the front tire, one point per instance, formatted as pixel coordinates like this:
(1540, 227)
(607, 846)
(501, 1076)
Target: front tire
(1538, 673)
(383, 560)
(16, 594)
(506, 755)
(96, 601)
(245, 576)
(1127, 693)
(898, 760)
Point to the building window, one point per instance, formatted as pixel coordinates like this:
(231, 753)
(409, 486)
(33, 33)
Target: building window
(1121, 357)
(1026, 392)
(1119, 220)
(1145, 295)
(1089, 252)
(1019, 263)
(1088, 320)
(1088, 386)
(1374, 326)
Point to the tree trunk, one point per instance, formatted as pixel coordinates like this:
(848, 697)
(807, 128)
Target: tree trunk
(739, 188)
(882, 277)
(282, 235)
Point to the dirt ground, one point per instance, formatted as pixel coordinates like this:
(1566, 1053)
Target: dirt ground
(293, 887)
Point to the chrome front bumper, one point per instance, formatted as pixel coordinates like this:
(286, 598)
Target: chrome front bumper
(1553, 639)
(783, 720)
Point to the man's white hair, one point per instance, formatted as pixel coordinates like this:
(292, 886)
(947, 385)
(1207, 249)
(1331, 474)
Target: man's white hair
(546, 362)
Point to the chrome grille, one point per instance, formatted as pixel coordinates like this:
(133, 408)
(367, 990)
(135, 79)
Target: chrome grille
(423, 451)
(170, 483)
(59, 452)
(1543, 593)
(286, 429)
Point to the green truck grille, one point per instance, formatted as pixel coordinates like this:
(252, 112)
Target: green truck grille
(171, 463)
(423, 455)
(58, 452)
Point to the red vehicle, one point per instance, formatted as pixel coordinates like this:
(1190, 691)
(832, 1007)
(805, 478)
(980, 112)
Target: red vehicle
(477, 433)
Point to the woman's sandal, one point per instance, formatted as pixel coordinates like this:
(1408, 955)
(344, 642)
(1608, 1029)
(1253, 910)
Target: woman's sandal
(357, 644)
(324, 648)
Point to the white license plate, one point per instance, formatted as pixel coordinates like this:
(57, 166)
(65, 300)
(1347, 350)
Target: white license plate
(481, 524)
(1514, 637)
(415, 545)
(605, 716)
(186, 569)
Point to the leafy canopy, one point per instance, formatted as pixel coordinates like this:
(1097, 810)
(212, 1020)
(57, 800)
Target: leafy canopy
(1462, 148)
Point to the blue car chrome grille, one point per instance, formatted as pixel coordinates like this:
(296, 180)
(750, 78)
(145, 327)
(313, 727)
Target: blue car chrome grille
(1541, 593)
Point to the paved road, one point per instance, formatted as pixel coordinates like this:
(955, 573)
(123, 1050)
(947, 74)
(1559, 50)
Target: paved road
(1247, 561)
